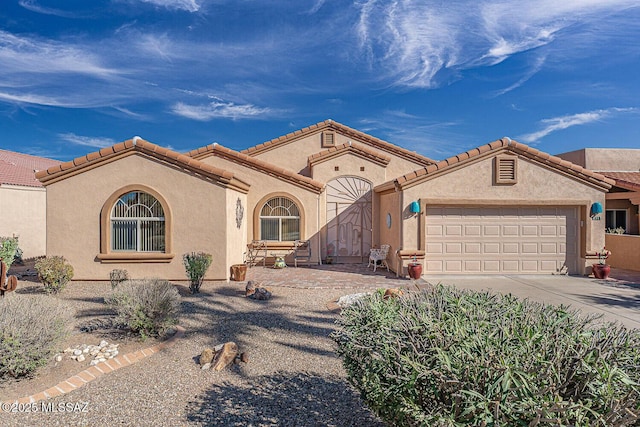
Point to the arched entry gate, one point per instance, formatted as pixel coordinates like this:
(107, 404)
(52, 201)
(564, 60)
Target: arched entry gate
(349, 226)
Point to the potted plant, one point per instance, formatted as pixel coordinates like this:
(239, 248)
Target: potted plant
(601, 270)
(329, 258)
(414, 268)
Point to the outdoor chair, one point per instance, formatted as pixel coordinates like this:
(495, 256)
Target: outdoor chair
(301, 251)
(379, 255)
(256, 250)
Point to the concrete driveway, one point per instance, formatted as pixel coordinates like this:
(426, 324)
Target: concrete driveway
(616, 299)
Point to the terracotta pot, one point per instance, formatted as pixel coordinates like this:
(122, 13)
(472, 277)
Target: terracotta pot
(601, 271)
(415, 270)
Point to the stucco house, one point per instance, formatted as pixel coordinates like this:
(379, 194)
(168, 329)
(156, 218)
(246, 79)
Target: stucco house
(23, 201)
(500, 208)
(620, 213)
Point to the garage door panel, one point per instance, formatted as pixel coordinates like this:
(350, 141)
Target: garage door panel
(510, 230)
(527, 239)
(510, 248)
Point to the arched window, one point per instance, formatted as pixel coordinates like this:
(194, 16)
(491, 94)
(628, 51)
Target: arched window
(137, 223)
(280, 220)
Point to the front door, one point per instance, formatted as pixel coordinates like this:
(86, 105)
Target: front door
(349, 225)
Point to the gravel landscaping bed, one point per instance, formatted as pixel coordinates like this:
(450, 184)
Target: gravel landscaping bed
(293, 377)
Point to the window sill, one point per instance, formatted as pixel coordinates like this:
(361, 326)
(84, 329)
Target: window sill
(134, 257)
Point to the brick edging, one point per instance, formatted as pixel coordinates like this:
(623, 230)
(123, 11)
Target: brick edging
(80, 379)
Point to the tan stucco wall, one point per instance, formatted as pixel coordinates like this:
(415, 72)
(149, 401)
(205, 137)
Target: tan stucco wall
(605, 159)
(263, 185)
(349, 165)
(23, 214)
(294, 155)
(473, 184)
(625, 251)
(236, 232)
(198, 208)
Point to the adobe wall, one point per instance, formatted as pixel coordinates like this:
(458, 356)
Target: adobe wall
(24, 215)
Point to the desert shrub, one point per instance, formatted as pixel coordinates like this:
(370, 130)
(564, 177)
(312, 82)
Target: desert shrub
(32, 327)
(196, 265)
(8, 250)
(54, 273)
(148, 306)
(117, 276)
(450, 357)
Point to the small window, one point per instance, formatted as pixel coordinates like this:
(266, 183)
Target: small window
(506, 170)
(280, 220)
(361, 168)
(137, 224)
(328, 139)
(336, 168)
(616, 218)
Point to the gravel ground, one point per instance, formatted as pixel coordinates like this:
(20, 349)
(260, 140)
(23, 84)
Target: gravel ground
(293, 377)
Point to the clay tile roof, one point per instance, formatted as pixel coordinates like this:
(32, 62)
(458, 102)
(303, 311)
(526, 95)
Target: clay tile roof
(585, 174)
(346, 130)
(20, 169)
(257, 164)
(138, 145)
(627, 180)
(350, 147)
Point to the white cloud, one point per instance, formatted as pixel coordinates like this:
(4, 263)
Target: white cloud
(563, 122)
(86, 141)
(20, 55)
(220, 109)
(188, 5)
(536, 66)
(412, 43)
(33, 6)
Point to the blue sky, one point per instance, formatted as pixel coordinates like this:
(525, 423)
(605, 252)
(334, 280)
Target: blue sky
(436, 77)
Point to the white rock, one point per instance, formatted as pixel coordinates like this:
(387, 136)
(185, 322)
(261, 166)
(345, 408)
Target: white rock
(347, 300)
(77, 352)
(101, 359)
(206, 366)
(93, 363)
(103, 344)
(68, 350)
(85, 351)
(80, 358)
(59, 358)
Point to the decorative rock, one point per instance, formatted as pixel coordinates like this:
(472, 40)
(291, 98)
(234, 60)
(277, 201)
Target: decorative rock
(261, 294)
(58, 358)
(101, 359)
(103, 344)
(206, 357)
(206, 366)
(225, 356)
(250, 289)
(77, 352)
(80, 358)
(347, 300)
(68, 350)
(93, 363)
(392, 293)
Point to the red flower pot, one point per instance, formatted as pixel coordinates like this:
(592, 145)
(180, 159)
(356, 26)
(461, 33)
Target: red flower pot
(415, 270)
(601, 271)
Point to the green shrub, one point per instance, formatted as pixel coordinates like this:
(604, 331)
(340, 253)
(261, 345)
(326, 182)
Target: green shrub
(449, 357)
(118, 276)
(8, 250)
(54, 273)
(196, 265)
(32, 327)
(148, 306)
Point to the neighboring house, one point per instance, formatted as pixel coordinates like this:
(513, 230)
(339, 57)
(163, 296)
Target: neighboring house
(622, 201)
(500, 208)
(23, 201)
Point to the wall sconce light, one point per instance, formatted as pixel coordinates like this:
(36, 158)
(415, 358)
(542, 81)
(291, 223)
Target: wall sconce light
(596, 208)
(415, 207)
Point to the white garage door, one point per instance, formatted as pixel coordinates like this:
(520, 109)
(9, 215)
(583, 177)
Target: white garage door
(501, 240)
